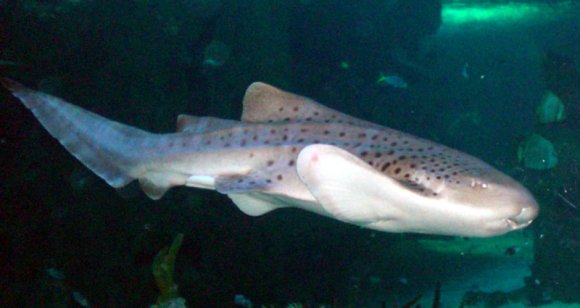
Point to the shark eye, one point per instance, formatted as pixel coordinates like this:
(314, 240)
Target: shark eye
(477, 184)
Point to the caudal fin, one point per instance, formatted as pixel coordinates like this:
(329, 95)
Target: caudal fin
(110, 149)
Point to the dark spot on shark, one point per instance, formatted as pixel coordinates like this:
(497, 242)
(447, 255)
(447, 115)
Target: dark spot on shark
(281, 109)
(272, 131)
(362, 135)
(296, 109)
(316, 113)
(342, 134)
(364, 153)
(304, 130)
(398, 170)
(251, 155)
(279, 177)
(255, 137)
(385, 166)
(268, 181)
(378, 154)
(243, 143)
(326, 132)
(375, 137)
(270, 163)
(285, 137)
(394, 144)
(291, 163)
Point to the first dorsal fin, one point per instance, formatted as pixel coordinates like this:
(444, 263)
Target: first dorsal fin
(265, 103)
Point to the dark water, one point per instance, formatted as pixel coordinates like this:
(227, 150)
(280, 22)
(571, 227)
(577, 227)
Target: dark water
(475, 73)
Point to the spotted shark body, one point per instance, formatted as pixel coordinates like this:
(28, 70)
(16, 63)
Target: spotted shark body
(289, 151)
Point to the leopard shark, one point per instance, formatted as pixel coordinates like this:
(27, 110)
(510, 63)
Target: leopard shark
(290, 151)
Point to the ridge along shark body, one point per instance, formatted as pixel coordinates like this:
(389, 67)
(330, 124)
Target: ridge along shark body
(289, 151)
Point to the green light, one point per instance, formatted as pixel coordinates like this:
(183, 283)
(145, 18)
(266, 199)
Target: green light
(454, 14)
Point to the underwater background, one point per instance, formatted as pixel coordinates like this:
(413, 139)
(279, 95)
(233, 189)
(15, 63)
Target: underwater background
(496, 79)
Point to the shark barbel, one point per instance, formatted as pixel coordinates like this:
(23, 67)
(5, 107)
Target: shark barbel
(289, 151)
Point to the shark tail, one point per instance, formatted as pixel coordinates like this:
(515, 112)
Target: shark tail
(110, 149)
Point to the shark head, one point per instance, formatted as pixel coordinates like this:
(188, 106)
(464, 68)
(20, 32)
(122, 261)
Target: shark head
(501, 204)
(449, 194)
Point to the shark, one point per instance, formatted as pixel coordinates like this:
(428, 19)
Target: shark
(291, 151)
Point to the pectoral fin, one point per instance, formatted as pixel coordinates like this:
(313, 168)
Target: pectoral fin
(351, 190)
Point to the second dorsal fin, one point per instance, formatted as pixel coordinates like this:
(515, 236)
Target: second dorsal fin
(265, 103)
(200, 125)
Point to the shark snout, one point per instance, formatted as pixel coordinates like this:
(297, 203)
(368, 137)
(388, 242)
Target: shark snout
(528, 212)
(524, 209)
(516, 209)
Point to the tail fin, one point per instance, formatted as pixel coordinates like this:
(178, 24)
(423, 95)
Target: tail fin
(106, 147)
